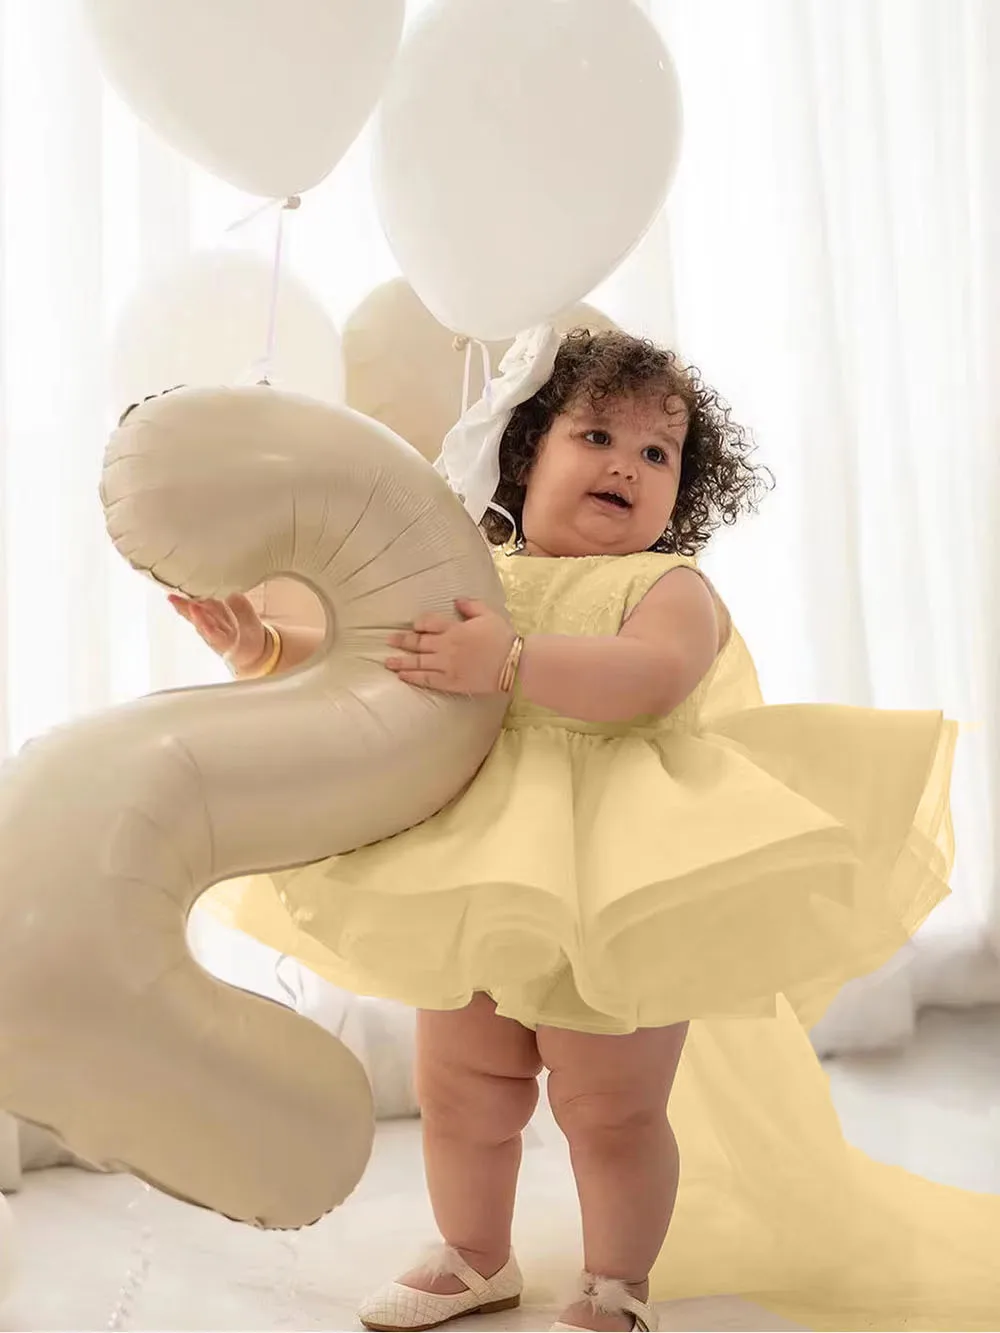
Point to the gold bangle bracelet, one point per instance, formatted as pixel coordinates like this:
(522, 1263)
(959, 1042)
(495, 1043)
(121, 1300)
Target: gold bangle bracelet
(509, 673)
(273, 658)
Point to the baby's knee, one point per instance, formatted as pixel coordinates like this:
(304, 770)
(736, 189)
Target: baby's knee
(605, 1119)
(473, 1091)
(472, 1105)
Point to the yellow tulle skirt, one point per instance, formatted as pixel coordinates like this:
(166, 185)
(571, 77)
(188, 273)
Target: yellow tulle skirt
(737, 876)
(604, 882)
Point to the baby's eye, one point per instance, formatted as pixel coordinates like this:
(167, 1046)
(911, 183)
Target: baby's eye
(598, 437)
(654, 454)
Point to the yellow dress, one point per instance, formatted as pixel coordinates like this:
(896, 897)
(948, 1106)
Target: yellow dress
(731, 863)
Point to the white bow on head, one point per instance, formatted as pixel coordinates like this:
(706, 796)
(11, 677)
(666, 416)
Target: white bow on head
(470, 455)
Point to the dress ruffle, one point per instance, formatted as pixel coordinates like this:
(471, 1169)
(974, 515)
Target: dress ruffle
(608, 882)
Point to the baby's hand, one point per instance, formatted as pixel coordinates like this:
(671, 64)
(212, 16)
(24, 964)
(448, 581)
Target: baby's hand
(231, 628)
(455, 657)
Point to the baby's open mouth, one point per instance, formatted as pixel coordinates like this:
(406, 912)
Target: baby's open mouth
(612, 498)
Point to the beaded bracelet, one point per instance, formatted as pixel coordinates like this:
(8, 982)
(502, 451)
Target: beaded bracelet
(509, 673)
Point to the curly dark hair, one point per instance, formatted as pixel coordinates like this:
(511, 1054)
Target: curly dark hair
(717, 483)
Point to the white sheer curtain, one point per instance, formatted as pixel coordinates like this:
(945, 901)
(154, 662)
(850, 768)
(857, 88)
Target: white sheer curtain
(837, 273)
(827, 257)
(91, 205)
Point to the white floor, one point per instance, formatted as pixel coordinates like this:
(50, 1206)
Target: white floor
(934, 1109)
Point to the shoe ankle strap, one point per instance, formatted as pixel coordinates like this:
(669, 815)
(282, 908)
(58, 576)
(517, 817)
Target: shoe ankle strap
(611, 1296)
(443, 1259)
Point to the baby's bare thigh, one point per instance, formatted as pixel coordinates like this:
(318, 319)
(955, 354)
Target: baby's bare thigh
(476, 1040)
(632, 1073)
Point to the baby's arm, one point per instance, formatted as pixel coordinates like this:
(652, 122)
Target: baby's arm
(298, 643)
(663, 650)
(297, 613)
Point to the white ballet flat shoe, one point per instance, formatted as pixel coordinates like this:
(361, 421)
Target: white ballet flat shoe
(611, 1297)
(395, 1308)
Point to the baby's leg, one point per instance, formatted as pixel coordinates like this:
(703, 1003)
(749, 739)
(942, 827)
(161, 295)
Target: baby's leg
(477, 1084)
(609, 1097)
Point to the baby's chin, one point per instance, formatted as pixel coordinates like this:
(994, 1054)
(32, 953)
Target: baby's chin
(567, 542)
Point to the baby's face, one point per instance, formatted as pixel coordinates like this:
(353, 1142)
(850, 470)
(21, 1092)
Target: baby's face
(629, 448)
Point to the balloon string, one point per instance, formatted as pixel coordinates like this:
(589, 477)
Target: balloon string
(487, 374)
(467, 377)
(138, 1271)
(272, 314)
(259, 372)
(463, 342)
(292, 202)
(294, 996)
(288, 1287)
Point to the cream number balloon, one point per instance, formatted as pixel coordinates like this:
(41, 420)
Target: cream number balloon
(112, 827)
(204, 321)
(523, 147)
(267, 94)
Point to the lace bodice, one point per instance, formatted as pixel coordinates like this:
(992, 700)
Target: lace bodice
(590, 595)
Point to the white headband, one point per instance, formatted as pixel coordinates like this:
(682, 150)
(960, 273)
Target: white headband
(470, 455)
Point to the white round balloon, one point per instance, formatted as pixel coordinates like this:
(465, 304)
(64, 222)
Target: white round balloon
(267, 94)
(205, 321)
(523, 148)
